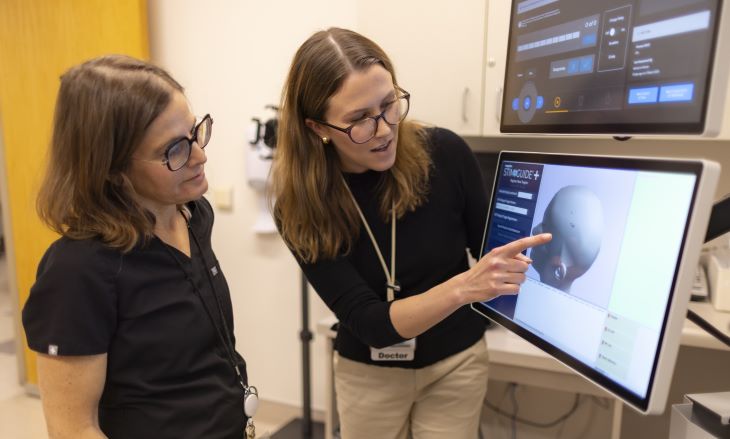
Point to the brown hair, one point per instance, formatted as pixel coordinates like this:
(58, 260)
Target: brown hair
(103, 109)
(315, 213)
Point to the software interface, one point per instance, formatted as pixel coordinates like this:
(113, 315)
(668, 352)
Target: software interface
(599, 290)
(608, 61)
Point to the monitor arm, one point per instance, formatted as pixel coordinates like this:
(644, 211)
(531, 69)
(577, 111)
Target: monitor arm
(719, 219)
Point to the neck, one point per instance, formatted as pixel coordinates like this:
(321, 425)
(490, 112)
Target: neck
(170, 226)
(167, 218)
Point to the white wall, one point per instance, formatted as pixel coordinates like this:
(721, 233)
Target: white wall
(232, 57)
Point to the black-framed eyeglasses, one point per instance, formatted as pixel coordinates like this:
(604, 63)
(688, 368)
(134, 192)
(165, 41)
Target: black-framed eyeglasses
(365, 129)
(177, 153)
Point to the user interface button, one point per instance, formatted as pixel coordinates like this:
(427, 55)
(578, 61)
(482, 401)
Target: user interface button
(676, 93)
(644, 95)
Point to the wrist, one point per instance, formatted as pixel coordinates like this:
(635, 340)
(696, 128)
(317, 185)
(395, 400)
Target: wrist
(457, 291)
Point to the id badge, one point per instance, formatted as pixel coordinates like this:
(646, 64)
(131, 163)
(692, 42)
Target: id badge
(405, 351)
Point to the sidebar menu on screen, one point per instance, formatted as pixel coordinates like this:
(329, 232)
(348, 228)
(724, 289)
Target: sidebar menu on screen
(515, 200)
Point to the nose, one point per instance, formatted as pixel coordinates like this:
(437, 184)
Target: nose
(386, 128)
(197, 155)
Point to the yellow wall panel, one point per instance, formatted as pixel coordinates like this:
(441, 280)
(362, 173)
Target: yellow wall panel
(39, 40)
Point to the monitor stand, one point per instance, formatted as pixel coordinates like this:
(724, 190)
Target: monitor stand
(719, 219)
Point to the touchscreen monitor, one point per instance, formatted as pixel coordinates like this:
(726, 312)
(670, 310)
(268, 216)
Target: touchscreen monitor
(617, 67)
(608, 295)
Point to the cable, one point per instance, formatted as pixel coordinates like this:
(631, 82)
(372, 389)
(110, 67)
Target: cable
(600, 402)
(515, 418)
(704, 324)
(507, 390)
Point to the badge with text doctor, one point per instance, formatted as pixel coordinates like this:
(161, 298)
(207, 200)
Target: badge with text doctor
(405, 351)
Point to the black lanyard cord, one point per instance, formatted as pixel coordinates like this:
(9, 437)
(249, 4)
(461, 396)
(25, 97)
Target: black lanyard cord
(224, 336)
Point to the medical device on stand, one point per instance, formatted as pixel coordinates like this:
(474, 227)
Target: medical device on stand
(259, 155)
(262, 141)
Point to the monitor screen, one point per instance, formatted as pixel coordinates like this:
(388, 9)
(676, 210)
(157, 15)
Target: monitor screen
(610, 66)
(608, 295)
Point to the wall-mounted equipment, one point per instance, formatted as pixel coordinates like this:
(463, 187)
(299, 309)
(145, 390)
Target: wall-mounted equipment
(261, 137)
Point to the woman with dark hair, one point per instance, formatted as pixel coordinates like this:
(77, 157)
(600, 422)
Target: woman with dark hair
(130, 313)
(353, 180)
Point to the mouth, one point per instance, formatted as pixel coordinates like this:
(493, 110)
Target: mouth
(198, 176)
(382, 147)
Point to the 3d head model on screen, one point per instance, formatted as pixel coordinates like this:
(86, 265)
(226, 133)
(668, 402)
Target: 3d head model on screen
(575, 218)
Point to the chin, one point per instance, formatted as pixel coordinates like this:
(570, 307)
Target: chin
(384, 164)
(197, 192)
(203, 190)
(382, 167)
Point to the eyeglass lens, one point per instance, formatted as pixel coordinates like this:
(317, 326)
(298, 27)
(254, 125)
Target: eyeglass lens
(179, 153)
(394, 113)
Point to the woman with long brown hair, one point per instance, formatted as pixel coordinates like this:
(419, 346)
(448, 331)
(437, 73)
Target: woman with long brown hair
(130, 313)
(353, 181)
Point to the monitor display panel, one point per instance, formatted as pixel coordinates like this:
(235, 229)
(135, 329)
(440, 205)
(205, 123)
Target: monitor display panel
(616, 67)
(609, 294)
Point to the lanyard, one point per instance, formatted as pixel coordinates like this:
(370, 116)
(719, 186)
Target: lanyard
(391, 284)
(250, 393)
(224, 335)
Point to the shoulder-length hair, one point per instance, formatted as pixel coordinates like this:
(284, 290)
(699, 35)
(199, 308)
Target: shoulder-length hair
(103, 109)
(316, 216)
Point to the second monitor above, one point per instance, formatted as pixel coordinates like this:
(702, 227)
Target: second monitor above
(615, 67)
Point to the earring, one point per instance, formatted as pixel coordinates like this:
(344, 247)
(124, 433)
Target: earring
(325, 140)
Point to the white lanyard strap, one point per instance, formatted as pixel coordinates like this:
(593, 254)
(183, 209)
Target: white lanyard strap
(391, 285)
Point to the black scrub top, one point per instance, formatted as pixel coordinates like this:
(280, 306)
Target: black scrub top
(168, 375)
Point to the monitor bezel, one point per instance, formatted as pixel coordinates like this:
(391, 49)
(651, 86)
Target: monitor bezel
(695, 225)
(711, 115)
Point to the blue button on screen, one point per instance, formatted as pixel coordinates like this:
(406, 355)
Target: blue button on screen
(527, 103)
(516, 104)
(589, 40)
(645, 95)
(573, 65)
(586, 64)
(539, 102)
(676, 92)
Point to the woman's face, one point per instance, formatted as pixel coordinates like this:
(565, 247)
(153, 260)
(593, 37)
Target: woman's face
(363, 94)
(157, 187)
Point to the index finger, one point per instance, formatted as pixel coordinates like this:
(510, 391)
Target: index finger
(520, 245)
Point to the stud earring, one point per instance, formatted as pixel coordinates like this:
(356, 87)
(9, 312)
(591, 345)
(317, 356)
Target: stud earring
(325, 140)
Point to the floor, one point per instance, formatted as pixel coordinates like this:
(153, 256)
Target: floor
(21, 415)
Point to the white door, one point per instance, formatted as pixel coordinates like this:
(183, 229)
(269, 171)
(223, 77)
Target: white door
(496, 58)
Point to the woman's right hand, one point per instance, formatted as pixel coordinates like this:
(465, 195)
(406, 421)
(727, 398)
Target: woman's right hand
(501, 271)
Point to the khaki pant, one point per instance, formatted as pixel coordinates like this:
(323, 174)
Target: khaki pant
(443, 400)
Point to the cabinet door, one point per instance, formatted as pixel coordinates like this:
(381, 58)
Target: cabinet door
(498, 16)
(437, 49)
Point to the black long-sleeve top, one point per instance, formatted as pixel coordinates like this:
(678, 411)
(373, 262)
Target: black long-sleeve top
(431, 244)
